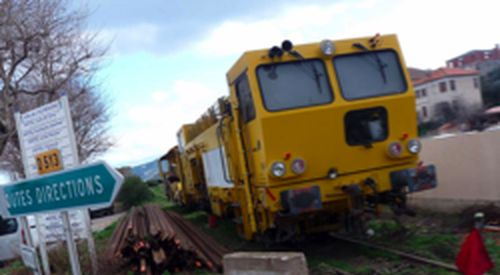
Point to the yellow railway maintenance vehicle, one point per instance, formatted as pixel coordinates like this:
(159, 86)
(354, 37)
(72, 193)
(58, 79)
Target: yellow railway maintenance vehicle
(310, 137)
(171, 175)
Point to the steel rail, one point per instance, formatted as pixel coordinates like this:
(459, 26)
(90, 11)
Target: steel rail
(409, 256)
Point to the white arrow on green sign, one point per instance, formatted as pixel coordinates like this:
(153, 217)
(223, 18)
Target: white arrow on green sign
(94, 185)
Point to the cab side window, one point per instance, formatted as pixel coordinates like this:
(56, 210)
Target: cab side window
(245, 100)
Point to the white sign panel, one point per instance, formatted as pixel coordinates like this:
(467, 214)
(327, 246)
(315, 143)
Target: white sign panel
(28, 254)
(43, 129)
(53, 228)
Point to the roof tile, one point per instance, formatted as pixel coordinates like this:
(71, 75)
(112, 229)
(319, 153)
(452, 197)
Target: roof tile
(444, 72)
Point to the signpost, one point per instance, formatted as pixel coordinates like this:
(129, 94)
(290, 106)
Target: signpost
(48, 145)
(42, 132)
(93, 185)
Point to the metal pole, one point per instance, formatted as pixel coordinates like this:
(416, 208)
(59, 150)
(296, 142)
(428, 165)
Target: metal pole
(73, 253)
(29, 240)
(43, 247)
(76, 159)
(90, 241)
(24, 220)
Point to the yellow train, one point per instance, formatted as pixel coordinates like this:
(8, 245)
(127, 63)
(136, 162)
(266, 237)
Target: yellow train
(310, 137)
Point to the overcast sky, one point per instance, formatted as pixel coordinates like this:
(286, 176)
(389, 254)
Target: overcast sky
(168, 59)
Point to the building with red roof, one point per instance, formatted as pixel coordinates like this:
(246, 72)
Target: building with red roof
(482, 60)
(446, 93)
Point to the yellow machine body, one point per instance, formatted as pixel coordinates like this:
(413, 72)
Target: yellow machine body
(279, 162)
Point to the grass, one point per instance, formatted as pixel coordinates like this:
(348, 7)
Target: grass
(106, 233)
(492, 242)
(159, 196)
(15, 268)
(439, 246)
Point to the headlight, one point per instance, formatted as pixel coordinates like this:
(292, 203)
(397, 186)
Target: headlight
(414, 146)
(327, 47)
(278, 169)
(395, 149)
(298, 166)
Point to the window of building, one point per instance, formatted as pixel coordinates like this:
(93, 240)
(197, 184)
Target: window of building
(452, 85)
(424, 93)
(424, 111)
(417, 92)
(442, 87)
(476, 83)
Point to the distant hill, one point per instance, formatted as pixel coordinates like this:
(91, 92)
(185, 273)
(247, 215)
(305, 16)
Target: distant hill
(147, 171)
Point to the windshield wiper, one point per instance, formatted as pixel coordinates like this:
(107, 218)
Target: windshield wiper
(381, 65)
(317, 74)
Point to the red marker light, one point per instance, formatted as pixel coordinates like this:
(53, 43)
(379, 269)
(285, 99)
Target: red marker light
(405, 136)
(287, 156)
(395, 149)
(298, 166)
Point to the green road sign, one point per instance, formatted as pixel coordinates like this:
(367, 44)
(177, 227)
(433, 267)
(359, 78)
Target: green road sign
(93, 185)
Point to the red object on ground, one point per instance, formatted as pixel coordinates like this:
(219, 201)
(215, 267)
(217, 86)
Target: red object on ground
(212, 221)
(473, 259)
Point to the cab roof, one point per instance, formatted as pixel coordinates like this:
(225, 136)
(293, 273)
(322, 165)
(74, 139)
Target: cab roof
(254, 58)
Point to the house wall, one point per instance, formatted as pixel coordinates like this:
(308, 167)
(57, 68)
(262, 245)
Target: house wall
(468, 95)
(468, 171)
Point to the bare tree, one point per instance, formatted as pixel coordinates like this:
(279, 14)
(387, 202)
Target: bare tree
(44, 49)
(90, 113)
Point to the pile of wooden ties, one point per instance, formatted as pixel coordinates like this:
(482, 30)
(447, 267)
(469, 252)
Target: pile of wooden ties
(151, 241)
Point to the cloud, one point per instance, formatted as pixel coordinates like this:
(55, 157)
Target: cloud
(300, 23)
(429, 31)
(151, 128)
(159, 96)
(134, 38)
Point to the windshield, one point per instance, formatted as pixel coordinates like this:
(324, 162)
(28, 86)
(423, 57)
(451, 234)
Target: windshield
(294, 84)
(369, 74)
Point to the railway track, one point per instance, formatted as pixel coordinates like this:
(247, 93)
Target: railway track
(408, 256)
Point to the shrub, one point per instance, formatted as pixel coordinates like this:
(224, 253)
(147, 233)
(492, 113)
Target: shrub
(134, 192)
(153, 183)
